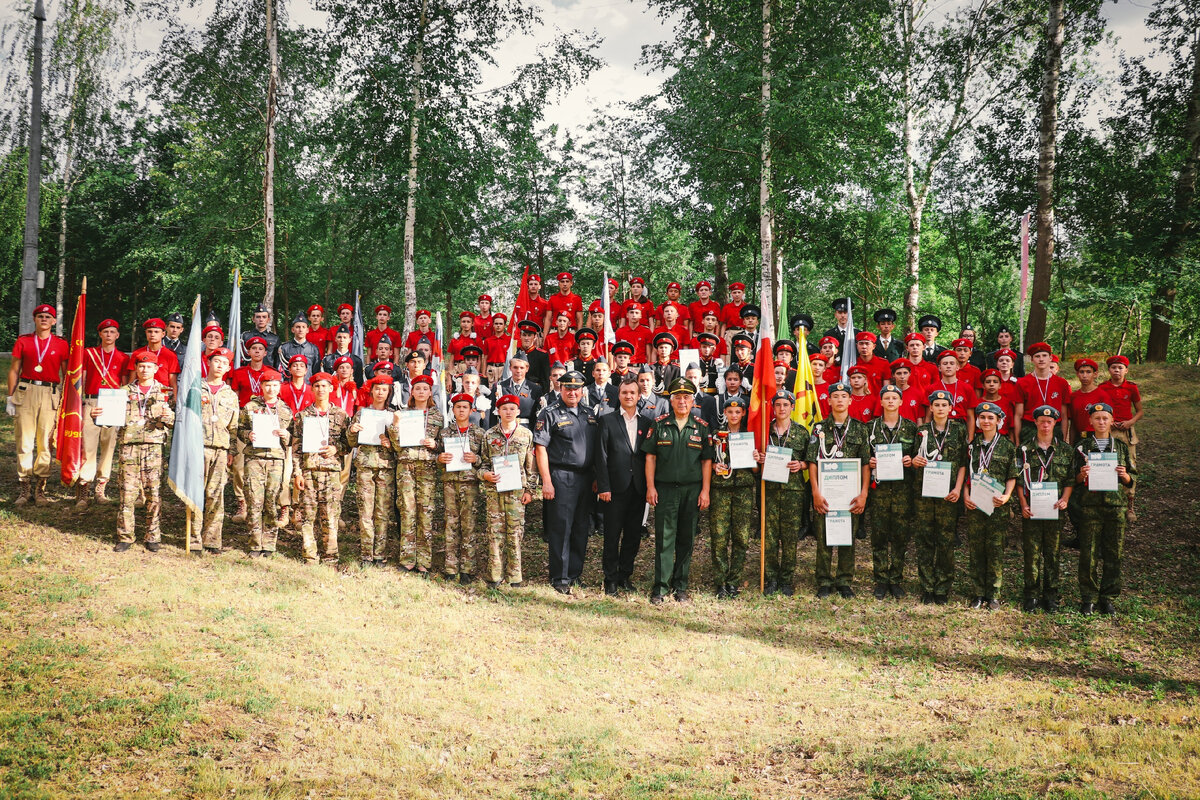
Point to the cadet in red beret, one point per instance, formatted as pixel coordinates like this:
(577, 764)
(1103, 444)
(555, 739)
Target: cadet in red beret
(383, 316)
(38, 366)
(1086, 370)
(879, 370)
(168, 363)
(266, 464)
(1040, 388)
(460, 443)
(532, 306)
(483, 318)
(646, 309)
(375, 461)
(103, 368)
(564, 301)
(703, 304)
(464, 336)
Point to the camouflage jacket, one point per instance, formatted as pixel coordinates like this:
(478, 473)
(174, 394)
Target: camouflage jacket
(796, 440)
(338, 422)
(953, 447)
(371, 456)
(1003, 463)
(148, 416)
(219, 411)
(904, 434)
(739, 478)
(1060, 467)
(855, 443)
(475, 437)
(520, 445)
(433, 423)
(258, 406)
(1117, 499)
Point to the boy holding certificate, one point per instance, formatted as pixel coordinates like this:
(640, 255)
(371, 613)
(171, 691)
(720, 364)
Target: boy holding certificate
(893, 444)
(318, 446)
(414, 438)
(460, 442)
(784, 493)
(265, 427)
(507, 449)
(1046, 466)
(732, 510)
(1104, 474)
(992, 459)
(941, 463)
(376, 463)
(838, 439)
(219, 409)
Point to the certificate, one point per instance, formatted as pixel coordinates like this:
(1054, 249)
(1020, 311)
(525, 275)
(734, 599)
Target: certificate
(984, 490)
(374, 425)
(889, 462)
(457, 447)
(687, 356)
(509, 470)
(111, 403)
(775, 465)
(263, 426)
(410, 427)
(1102, 472)
(741, 450)
(316, 434)
(841, 480)
(1042, 497)
(936, 479)
(839, 529)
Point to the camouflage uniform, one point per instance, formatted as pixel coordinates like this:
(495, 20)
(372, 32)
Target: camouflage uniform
(731, 518)
(264, 473)
(416, 482)
(854, 445)
(1040, 536)
(934, 519)
(505, 513)
(985, 535)
(783, 502)
(460, 491)
(1102, 536)
(892, 506)
(141, 459)
(219, 413)
(322, 482)
(376, 490)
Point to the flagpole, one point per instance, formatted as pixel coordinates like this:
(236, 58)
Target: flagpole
(762, 518)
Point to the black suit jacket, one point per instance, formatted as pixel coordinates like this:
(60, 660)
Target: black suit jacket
(619, 468)
(610, 402)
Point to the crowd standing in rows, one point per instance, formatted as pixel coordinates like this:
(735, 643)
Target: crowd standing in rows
(606, 431)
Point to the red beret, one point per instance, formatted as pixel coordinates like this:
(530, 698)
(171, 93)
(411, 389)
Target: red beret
(462, 397)
(253, 340)
(108, 323)
(423, 312)
(914, 337)
(703, 283)
(1039, 347)
(1054, 357)
(315, 307)
(145, 357)
(154, 322)
(298, 358)
(45, 309)
(483, 297)
(224, 352)
(269, 374)
(425, 379)
(508, 399)
(500, 317)
(1006, 351)
(212, 326)
(565, 276)
(337, 362)
(597, 307)
(387, 365)
(322, 376)
(991, 373)
(1086, 362)
(613, 282)
(818, 357)
(379, 380)
(967, 343)
(1117, 360)
(466, 314)
(864, 336)
(345, 306)
(674, 285)
(902, 363)
(535, 277)
(638, 281)
(737, 285)
(857, 370)
(826, 340)
(946, 354)
(383, 307)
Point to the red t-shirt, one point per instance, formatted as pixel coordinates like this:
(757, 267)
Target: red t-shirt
(168, 364)
(677, 330)
(373, 336)
(879, 372)
(495, 349)
(534, 308)
(696, 310)
(50, 353)
(1078, 404)
(922, 375)
(731, 315)
(570, 303)
(972, 375)
(320, 337)
(246, 382)
(963, 396)
(483, 325)
(414, 338)
(679, 306)
(296, 399)
(640, 338)
(102, 370)
(823, 398)
(458, 342)
(560, 348)
(913, 404)
(647, 306)
(1053, 391)
(1121, 398)
(864, 408)
(345, 397)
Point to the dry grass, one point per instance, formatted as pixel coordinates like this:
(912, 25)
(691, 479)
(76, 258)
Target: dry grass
(136, 675)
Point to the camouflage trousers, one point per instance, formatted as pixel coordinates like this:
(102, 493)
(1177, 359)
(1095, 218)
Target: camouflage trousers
(140, 466)
(415, 485)
(1101, 538)
(935, 522)
(1039, 538)
(731, 522)
(264, 479)
(891, 528)
(376, 489)
(215, 475)
(457, 538)
(826, 579)
(783, 518)
(322, 496)
(985, 543)
(506, 529)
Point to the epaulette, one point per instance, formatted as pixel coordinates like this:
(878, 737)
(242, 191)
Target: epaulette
(661, 417)
(702, 422)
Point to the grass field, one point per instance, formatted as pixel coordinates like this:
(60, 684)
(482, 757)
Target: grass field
(138, 675)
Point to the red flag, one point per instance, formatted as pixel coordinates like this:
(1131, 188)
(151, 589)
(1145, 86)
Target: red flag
(762, 392)
(69, 439)
(519, 309)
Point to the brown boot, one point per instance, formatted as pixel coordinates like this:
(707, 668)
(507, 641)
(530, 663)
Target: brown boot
(101, 485)
(24, 492)
(82, 496)
(241, 514)
(39, 492)
(1130, 514)
(281, 518)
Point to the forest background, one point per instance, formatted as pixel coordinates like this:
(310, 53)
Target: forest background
(418, 150)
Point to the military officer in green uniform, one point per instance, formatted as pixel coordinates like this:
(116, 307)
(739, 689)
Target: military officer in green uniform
(679, 456)
(891, 499)
(995, 456)
(1103, 514)
(783, 501)
(1044, 461)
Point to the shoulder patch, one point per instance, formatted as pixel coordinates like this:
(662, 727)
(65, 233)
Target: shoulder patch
(661, 417)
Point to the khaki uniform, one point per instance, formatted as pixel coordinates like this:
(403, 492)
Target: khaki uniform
(935, 520)
(219, 413)
(505, 512)
(147, 419)
(375, 492)
(460, 492)
(322, 482)
(37, 407)
(265, 474)
(1040, 537)
(855, 444)
(416, 483)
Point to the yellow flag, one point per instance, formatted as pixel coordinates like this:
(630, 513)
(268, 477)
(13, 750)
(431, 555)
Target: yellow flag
(807, 410)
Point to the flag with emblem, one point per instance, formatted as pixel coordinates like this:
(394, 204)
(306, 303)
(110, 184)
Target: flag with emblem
(185, 471)
(807, 410)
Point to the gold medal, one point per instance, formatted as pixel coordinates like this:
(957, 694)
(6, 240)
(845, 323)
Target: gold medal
(37, 368)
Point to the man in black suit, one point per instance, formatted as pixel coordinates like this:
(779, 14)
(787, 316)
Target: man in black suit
(621, 482)
(601, 395)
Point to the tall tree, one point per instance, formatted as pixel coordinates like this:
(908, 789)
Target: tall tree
(269, 155)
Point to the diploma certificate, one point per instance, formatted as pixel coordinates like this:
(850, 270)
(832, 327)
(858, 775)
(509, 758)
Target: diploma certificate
(111, 403)
(984, 490)
(935, 482)
(889, 462)
(839, 529)
(374, 425)
(841, 481)
(315, 434)
(1042, 497)
(263, 426)
(457, 447)
(509, 470)
(1102, 472)
(741, 451)
(410, 427)
(775, 465)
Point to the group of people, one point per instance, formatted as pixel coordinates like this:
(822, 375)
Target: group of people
(916, 436)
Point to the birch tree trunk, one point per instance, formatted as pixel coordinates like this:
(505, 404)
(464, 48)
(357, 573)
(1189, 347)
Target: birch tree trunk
(410, 213)
(63, 202)
(269, 166)
(1035, 328)
(915, 197)
(766, 225)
